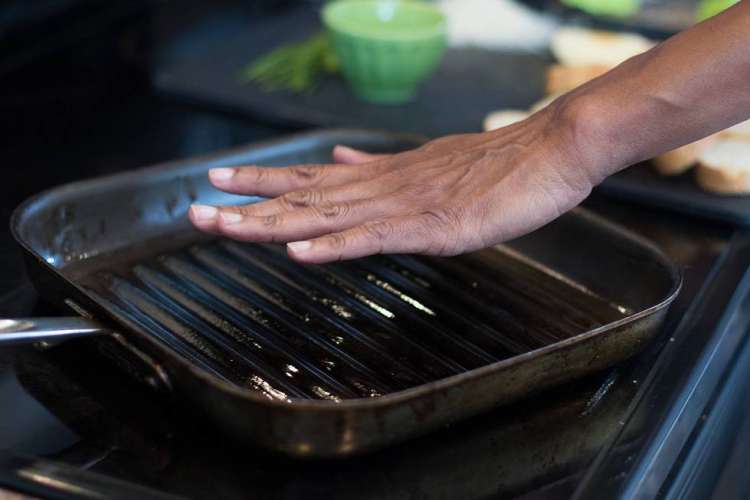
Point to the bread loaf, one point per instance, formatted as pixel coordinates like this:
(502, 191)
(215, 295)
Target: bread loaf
(585, 47)
(503, 118)
(683, 158)
(561, 78)
(724, 167)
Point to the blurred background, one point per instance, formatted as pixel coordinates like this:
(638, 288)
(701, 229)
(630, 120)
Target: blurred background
(96, 86)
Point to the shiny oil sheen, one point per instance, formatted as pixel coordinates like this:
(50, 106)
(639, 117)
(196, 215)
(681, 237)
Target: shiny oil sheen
(364, 328)
(336, 360)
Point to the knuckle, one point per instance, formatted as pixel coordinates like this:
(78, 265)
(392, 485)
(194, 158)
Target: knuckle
(336, 241)
(332, 210)
(378, 230)
(416, 190)
(427, 228)
(444, 245)
(245, 210)
(443, 229)
(433, 146)
(306, 173)
(441, 144)
(271, 221)
(443, 249)
(451, 217)
(261, 174)
(300, 199)
(288, 201)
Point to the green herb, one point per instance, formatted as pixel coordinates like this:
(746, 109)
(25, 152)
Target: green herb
(297, 67)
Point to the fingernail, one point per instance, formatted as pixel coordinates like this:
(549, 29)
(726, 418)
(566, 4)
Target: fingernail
(341, 147)
(231, 217)
(203, 212)
(221, 174)
(299, 246)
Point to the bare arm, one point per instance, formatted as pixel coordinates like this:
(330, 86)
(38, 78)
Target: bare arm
(692, 85)
(464, 192)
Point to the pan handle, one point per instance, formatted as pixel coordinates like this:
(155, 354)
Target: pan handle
(29, 330)
(53, 330)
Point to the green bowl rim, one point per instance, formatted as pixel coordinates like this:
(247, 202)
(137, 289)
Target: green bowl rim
(438, 29)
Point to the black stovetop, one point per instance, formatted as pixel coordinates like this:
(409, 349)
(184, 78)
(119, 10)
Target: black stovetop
(72, 425)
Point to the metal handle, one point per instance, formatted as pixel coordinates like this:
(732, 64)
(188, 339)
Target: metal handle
(46, 479)
(25, 331)
(53, 330)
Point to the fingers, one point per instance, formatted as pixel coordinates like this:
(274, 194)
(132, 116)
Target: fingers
(410, 234)
(306, 223)
(207, 218)
(275, 181)
(352, 230)
(304, 199)
(328, 212)
(204, 217)
(298, 200)
(350, 156)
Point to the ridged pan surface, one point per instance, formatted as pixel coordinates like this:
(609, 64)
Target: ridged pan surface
(334, 360)
(253, 317)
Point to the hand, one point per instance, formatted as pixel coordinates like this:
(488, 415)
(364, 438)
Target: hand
(453, 195)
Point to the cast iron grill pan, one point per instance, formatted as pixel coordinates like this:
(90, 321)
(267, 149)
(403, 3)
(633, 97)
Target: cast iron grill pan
(321, 361)
(251, 316)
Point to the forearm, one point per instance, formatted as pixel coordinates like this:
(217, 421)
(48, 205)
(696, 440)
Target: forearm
(690, 86)
(465, 192)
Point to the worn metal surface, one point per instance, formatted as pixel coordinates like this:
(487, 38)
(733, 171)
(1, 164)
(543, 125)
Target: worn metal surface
(340, 359)
(31, 330)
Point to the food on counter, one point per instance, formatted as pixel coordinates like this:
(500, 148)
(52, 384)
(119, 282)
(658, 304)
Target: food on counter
(496, 25)
(584, 54)
(608, 8)
(385, 49)
(503, 118)
(683, 158)
(722, 159)
(724, 167)
(296, 67)
(561, 78)
(709, 8)
(543, 103)
(739, 131)
(717, 171)
(584, 47)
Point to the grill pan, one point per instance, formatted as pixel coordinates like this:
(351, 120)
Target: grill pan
(334, 360)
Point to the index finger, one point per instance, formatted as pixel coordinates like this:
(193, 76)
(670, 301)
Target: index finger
(275, 181)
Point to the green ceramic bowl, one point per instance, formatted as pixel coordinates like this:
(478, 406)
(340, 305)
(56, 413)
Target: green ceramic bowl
(385, 47)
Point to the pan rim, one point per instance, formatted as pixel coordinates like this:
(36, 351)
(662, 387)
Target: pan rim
(404, 395)
(350, 404)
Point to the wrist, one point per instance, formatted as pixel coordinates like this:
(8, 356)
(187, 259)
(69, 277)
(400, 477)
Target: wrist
(581, 123)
